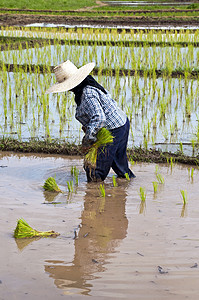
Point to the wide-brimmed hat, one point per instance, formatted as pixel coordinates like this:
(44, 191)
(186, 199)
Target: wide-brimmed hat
(69, 76)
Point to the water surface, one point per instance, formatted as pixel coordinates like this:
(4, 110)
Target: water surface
(122, 246)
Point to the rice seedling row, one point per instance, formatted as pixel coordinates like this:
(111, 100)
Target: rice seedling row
(10, 42)
(163, 112)
(103, 34)
(114, 57)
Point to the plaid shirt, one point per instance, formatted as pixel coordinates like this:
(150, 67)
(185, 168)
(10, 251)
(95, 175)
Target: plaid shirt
(98, 110)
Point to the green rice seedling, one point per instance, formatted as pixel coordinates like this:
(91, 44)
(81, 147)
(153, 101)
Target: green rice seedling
(75, 173)
(70, 186)
(142, 194)
(51, 185)
(114, 181)
(184, 196)
(23, 230)
(156, 169)
(72, 171)
(181, 147)
(193, 142)
(127, 176)
(76, 176)
(145, 143)
(160, 178)
(102, 190)
(104, 137)
(171, 162)
(132, 162)
(192, 171)
(155, 186)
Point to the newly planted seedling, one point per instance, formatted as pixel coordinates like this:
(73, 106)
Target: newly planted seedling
(192, 171)
(184, 196)
(155, 186)
(142, 194)
(156, 169)
(70, 186)
(160, 178)
(181, 147)
(171, 162)
(102, 190)
(75, 173)
(114, 181)
(127, 176)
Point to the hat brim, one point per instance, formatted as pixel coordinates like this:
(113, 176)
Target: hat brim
(73, 81)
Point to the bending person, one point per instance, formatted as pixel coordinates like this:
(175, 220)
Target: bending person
(95, 110)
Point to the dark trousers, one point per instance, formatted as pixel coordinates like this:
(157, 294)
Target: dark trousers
(113, 155)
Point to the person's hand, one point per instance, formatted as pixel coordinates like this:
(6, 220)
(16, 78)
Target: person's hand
(86, 144)
(85, 149)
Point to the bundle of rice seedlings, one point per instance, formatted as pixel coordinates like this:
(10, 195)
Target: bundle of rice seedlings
(104, 137)
(23, 230)
(51, 185)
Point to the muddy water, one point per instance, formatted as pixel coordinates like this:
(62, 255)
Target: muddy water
(144, 3)
(123, 249)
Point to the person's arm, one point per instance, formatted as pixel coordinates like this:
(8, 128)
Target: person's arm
(96, 116)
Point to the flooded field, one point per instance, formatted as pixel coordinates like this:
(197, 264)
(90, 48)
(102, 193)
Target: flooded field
(126, 57)
(163, 110)
(140, 240)
(111, 247)
(145, 3)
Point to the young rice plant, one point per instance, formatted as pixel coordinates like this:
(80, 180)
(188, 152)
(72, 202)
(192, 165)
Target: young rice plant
(23, 230)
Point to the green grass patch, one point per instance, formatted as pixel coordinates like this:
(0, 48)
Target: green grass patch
(47, 4)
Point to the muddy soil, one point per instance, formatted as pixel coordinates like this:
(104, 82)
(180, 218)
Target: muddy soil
(115, 247)
(89, 10)
(23, 19)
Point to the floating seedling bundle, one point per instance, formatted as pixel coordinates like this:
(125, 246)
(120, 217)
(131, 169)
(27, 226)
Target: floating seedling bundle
(23, 230)
(51, 185)
(104, 137)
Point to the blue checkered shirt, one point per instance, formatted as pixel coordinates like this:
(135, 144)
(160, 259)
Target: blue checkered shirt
(98, 110)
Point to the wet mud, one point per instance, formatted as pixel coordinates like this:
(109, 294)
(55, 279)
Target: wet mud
(23, 19)
(112, 247)
(88, 10)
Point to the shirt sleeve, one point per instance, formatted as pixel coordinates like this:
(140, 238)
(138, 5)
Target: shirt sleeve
(95, 114)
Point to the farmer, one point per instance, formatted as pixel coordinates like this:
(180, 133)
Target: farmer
(96, 109)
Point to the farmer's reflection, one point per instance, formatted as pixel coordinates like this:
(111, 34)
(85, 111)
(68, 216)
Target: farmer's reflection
(104, 225)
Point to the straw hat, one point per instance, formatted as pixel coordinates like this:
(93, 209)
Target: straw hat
(69, 76)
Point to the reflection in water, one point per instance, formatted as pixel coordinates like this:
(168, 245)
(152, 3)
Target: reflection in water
(22, 243)
(184, 211)
(142, 209)
(50, 196)
(104, 225)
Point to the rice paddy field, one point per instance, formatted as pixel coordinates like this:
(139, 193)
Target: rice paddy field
(152, 75)
(119, 239)
(132, 241)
